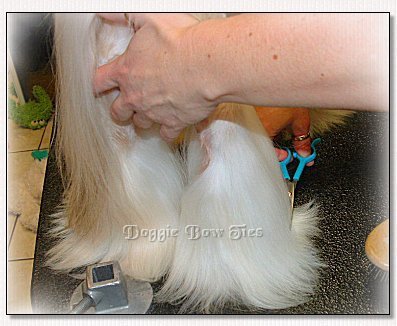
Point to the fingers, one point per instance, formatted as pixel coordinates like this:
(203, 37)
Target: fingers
(281, 154)
(178, 19)
(274, 120)
(302, 147)
(106, 77)
(301, 126)
(121, 18)
(120, 111)
(141, 121)
(118, 18)
(169, 134)
(136, 20)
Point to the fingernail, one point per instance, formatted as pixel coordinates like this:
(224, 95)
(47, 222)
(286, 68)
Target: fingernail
(304, 153)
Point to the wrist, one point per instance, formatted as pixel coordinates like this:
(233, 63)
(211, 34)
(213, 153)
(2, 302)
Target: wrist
(205, 63)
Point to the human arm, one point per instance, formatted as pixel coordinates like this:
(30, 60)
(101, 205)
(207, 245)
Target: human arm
(176, 71)
(295, 60)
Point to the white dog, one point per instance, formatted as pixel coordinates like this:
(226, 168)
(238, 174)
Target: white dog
(226, 195)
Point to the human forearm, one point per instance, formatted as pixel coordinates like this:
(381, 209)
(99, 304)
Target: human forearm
(176, 69)
(306, 60)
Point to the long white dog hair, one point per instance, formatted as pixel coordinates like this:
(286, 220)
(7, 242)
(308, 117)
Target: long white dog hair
(252, 255)
(118, 175)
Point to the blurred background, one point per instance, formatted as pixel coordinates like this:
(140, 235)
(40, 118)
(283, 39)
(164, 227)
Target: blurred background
(29, 65)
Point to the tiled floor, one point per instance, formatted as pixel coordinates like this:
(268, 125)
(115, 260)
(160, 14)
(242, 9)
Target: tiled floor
(21, 241)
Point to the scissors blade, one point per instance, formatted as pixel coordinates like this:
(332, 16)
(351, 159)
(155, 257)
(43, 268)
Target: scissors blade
(291, 192)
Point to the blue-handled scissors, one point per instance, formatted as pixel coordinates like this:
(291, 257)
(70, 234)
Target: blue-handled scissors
(302, 163)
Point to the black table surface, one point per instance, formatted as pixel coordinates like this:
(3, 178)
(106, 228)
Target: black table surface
(350, 182)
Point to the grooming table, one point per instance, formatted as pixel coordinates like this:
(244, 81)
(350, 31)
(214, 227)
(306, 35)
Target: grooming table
(350, 182)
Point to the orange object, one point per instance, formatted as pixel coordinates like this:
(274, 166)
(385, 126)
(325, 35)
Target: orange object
(276, 119)
(377, 246)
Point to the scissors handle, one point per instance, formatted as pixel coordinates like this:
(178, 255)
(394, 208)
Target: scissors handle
(284, 163)
(304, 160)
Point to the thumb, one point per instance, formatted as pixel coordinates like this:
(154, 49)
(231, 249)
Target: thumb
(169, 134)
(303, 148)
(133, 19)
(138, 20)
(118, 18)
(106, 77)
(281, 154)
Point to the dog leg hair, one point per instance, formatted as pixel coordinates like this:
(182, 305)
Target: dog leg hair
(116, 175)
(238, 186)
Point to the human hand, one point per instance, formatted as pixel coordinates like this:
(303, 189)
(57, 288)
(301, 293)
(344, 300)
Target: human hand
(295, 120)
(155, 75)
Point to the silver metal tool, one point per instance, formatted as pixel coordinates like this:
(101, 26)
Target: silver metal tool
(291, 184)
(107, 291)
